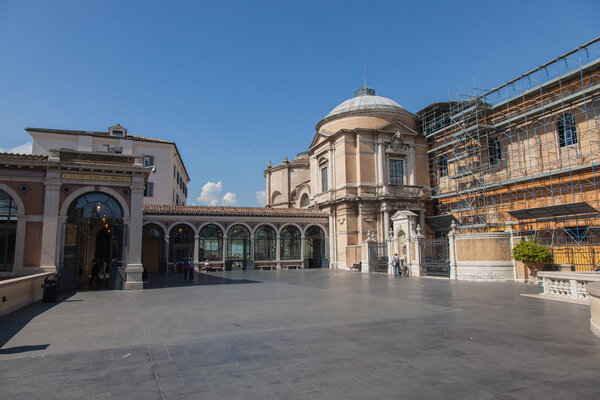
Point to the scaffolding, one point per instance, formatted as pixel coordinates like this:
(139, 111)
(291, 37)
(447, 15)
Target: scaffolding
(532, 142)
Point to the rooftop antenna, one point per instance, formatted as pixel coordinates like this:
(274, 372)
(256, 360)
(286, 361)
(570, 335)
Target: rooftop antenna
(364, 73)
(119, 110)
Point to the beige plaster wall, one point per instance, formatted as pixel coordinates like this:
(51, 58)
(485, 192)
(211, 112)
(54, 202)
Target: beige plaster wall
(487, 249)
(33, 244)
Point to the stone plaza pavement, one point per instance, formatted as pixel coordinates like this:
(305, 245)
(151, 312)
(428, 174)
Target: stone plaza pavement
(308, 334)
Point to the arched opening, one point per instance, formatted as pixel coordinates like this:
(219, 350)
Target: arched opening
(265, 244)
(8, 231)
(290, 239)
(210, 243)
(304, 200)
(93, 244)
(181, 246)
(238, 247)
(153, 249)
(316, 248)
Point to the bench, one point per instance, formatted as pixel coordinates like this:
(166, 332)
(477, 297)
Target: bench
(355, 267)
(263, 267)
(215, 268)
(291, 267)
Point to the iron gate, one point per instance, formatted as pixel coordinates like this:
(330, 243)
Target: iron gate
(436, 257)
(379, 256)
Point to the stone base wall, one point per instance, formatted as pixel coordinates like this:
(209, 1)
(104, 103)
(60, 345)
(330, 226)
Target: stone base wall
(484, 271)
(19, 292)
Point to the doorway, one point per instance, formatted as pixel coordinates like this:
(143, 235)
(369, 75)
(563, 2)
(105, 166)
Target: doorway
(316, 248)
(93, 244)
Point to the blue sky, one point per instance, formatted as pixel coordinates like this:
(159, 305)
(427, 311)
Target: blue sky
(236, 83)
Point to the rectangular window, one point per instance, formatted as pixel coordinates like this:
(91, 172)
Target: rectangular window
(148, 161)
(177, 198)
(149, 190)
(396, 172)
(324, 185)
(567, 130)
(173, 171)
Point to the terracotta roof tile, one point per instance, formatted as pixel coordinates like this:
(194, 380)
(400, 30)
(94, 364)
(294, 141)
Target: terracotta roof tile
(240, 211)
(16, 156)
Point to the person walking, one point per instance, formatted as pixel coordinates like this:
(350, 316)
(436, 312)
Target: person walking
(396, 264)
(95, 272)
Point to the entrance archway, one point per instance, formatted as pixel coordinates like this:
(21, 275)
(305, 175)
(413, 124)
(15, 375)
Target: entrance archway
(8, 231)
(153, 249)
(181, 245)
(93, 244)
(238, 247)
(316, 248)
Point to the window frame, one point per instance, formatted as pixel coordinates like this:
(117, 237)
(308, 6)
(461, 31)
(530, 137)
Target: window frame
(393, 177)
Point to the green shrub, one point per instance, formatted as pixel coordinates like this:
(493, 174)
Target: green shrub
(532, 252)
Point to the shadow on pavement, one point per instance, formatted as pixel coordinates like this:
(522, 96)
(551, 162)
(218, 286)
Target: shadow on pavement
(12, 323)
(161, 281)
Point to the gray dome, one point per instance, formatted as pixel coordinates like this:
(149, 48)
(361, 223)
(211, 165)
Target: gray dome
(365, 99)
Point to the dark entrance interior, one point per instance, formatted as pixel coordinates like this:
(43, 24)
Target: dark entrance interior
(316, 247)
(93, 244)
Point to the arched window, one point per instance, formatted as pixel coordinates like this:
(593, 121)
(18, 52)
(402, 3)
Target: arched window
(443, 165)
(290, 243)
(8, 231)
(495, 151)
(265, 243)
(238, 246)
(210, 243)
(181, 243)
(304, 200)
(96, 208)
(567, 130)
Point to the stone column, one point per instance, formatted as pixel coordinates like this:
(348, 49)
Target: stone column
(196, 259)
(452, 250)
(422, 221)
(302, 250)
(364, 265)
(50, 225)
(135, 268)
(224, 250)
(332, 244)
(411, 164)
(331, 177)
(278, 251)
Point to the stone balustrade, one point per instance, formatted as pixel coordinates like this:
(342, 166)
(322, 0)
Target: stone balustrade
(570, 286)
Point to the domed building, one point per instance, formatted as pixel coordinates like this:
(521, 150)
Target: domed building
(366, 163)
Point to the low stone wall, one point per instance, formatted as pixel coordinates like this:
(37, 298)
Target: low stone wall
(594, 297)
(572, 286)
(19, 292)
(481, 256)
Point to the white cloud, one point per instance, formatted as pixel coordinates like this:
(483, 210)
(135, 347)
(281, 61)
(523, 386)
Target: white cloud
(261, 197)
(211, 195)
(229, 199)
(24, 148)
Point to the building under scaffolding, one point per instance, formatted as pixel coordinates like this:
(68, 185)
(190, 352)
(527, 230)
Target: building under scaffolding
(524, 155)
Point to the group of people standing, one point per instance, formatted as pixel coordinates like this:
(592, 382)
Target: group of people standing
(188, 268)
(399, 266)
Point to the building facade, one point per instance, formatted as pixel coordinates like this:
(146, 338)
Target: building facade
(362, 166)
(169, 179)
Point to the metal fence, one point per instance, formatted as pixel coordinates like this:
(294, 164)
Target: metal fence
(378, 255)
(436, 257)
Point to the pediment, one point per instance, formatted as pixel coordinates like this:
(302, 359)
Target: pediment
(396, 126)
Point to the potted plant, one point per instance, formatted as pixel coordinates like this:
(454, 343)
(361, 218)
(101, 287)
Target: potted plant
(533, 254)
